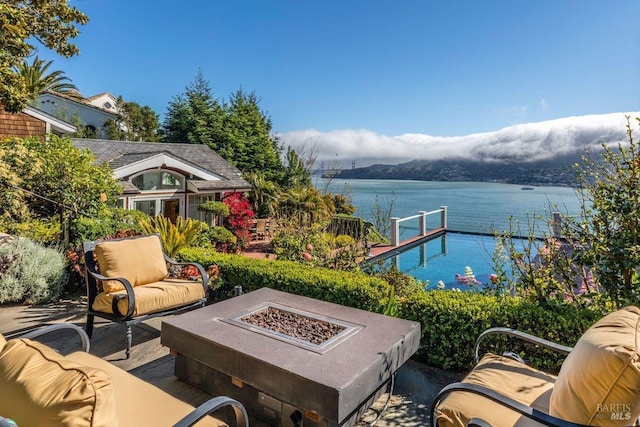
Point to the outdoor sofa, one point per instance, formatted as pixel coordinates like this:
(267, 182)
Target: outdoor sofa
(40, 387)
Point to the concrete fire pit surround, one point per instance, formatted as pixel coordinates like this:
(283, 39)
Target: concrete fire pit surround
(336, 385)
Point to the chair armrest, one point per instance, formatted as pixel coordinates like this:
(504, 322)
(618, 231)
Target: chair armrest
(59, 326)
(127, 287)
(523, 336)
(505, 401)
(212, 405)
(201, 270)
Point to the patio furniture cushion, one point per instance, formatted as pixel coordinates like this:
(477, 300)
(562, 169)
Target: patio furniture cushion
(599, 381)
(506, 376)
(153, 297)
(139, 260)
(140, 403)
(39, 387)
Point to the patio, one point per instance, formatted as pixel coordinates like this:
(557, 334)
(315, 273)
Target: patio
(415, 387)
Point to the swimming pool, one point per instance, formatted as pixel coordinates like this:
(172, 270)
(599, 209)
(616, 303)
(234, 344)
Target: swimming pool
(442, 257)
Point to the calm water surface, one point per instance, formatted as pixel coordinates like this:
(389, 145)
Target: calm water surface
(473, 207)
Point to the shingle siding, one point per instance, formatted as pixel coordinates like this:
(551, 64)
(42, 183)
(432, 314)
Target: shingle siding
(20, 125)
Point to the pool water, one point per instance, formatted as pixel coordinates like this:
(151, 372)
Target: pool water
(441, 258)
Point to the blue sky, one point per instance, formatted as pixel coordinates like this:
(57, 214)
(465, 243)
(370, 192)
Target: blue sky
(441, 68)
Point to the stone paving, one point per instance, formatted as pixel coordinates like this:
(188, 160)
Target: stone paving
(415, 387)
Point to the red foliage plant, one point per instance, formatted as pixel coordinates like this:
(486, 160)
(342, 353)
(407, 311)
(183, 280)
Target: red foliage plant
(240, 216)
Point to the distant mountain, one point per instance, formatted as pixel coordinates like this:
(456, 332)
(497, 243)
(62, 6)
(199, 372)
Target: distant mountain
(557, 171)
(529, 154)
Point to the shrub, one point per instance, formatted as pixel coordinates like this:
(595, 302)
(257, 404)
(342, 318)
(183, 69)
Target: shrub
(34, 273)
(44, 231)
(452, 321)
(86, 229)
(354, 289)
(222, 238)
(174, 236)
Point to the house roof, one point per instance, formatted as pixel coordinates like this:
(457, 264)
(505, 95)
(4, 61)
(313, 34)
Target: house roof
(200, 160)
(57, 126)
(91, 98)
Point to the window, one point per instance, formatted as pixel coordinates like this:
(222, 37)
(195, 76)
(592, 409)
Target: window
(158, 180)
(107, 105)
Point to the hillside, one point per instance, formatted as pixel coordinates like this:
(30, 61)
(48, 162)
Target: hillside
(558, 171)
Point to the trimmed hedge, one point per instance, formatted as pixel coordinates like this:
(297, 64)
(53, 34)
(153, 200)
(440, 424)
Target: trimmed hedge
(354, 289)
(451, 321)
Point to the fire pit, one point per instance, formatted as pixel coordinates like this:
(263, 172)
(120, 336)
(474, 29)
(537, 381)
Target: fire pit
(288, 358)
(307, 330)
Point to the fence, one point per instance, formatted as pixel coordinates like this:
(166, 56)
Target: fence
(423, 229)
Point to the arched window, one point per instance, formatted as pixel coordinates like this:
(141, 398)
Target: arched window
(158, 180)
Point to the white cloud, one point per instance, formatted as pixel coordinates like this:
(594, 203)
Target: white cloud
(523, 142)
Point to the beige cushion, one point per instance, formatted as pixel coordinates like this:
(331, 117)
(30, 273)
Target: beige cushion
(139, 260)
(599, 382)
(153, 297)
(139, 403)
(3, 341)
(39, 387)
(509, 378)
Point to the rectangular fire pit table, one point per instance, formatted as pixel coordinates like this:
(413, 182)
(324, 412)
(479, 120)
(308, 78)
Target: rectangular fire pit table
(283, 380)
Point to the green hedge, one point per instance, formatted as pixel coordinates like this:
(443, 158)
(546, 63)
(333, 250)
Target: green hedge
(451, 321)
(354, 289)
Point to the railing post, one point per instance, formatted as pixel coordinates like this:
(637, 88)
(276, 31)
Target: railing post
(443, 217)
(423, 222)
(395, 231)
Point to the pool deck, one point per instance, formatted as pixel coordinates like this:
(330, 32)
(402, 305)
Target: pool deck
(261, 248)
(382, 250)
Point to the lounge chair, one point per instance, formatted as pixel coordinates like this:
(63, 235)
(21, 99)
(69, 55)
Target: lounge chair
(127, 283)
(40, 387)
(598, 383)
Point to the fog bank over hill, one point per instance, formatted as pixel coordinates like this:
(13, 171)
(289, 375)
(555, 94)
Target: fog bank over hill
(529, 144)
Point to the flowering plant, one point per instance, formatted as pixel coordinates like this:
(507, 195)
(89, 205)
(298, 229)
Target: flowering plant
(214, 276)
(189, 272)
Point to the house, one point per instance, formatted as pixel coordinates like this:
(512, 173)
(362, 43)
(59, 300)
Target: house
(92, 112)
(166, 179)
(31, 122)
(104, 100)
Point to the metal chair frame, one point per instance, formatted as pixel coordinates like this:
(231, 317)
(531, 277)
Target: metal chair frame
(127, 319)
(505, 401)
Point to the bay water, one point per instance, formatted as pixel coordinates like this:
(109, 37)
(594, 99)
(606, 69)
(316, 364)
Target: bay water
(472, 207)
(476, 207)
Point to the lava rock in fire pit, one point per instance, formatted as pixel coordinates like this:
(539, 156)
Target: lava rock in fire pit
(294, 325)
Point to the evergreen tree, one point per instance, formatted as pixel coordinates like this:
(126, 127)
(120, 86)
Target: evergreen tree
(194, 117)
(134, 123)
(247, 140)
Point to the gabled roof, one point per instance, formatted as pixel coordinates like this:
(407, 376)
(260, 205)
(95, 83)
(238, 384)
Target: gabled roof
(209, 170)
(91, 98)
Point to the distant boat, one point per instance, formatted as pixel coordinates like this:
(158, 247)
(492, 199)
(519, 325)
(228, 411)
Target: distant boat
(527, 188)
